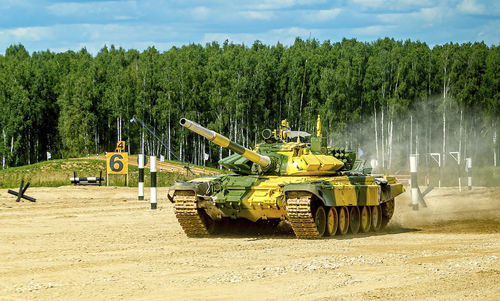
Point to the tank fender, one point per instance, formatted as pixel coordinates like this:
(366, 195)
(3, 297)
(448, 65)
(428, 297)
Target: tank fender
(316, 188)
(385, 189)
(199, 188)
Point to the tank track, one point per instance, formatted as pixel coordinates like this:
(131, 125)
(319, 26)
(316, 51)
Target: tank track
(189, 216)
(299, 212)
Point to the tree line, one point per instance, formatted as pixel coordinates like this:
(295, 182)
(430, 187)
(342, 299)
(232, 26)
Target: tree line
(388, 98)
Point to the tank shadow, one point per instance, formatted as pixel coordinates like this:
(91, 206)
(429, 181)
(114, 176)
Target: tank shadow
(389, 230)
(242, 228)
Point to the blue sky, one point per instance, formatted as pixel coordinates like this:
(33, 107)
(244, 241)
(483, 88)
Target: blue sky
(63, 25)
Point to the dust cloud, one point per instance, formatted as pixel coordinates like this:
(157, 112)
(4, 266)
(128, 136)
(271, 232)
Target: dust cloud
(475, 211)
(392, 135)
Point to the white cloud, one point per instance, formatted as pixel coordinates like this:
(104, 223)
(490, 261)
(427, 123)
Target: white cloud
(25, 34)
(123, 18)
(285, 36)
(369, 3)
(258, 15)
(424, 17)
(490, 33)
(91, 36)
(375, 30)
(201, 12)
(86, 8)
(431, 14)
(391, 5)
(471, 7)
(279, 4)
(6, 4)
(139, 24)
(322, 15)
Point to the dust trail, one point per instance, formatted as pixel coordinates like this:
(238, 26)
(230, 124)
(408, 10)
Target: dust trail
(451, 211)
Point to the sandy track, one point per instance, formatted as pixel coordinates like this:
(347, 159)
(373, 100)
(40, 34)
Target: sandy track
(100, 243)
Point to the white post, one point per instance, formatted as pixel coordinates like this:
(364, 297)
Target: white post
(140, 194)
(152, 168)
(414, 182)
(468, 169)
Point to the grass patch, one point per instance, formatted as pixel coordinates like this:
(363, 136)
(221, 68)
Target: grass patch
(56, 173)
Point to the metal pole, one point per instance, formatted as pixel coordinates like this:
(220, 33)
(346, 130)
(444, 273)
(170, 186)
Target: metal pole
(152, 168)
(140, 194)
(414, 182)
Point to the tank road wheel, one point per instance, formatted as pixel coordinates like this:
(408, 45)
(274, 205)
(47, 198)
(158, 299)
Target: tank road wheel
(354, 219)
(332, 222)
(376, 218)
(365, 219)
(300, 207)
(320, 220)
(194, 221)
(343, 220)
(387, 212)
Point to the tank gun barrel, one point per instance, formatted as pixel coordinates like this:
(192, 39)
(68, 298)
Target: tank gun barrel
(223, 141)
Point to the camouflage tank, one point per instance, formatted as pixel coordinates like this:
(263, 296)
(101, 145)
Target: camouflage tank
(319, 190)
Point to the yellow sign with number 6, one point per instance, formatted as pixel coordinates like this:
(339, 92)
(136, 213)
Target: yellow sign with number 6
(117, 163)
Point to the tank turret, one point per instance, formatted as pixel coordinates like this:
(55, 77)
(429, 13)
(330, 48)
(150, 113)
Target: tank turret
(277, 155)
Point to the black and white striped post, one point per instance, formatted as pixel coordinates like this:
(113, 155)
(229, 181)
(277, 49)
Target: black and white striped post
(468, 169)
(86, 180)
(140, 194)
(152, 168)
(414, 182)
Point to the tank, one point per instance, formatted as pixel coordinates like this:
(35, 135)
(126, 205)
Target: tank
(291, 178)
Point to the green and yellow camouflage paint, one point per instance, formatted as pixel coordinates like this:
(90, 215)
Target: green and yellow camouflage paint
(319, 190)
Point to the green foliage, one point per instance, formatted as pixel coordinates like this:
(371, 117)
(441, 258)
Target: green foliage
(69, 103)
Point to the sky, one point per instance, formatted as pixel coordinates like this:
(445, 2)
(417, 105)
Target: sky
(71, 25)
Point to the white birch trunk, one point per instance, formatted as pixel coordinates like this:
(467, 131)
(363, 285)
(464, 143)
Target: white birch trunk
(230, 130)
(201, 151)
(446, 85)
(181, 153)
(142, 141)
(4, 143)
(416, 139)
(390, 143)
(169, 136)
(235, 130)
(242, 134)
(494, 145)
(247, 127)
(382, 138)
(460, 135)
(220, 156)
(376, 132)
(411, 134)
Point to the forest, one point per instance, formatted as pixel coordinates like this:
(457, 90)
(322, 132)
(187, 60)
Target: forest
(388, 98)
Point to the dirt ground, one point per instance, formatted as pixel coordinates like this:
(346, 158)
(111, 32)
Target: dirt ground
(99, 243)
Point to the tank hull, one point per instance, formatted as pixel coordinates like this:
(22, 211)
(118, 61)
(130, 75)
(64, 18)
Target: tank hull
(301, 201)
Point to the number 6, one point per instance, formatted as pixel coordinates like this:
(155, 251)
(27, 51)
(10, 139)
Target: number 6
(113, 163)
